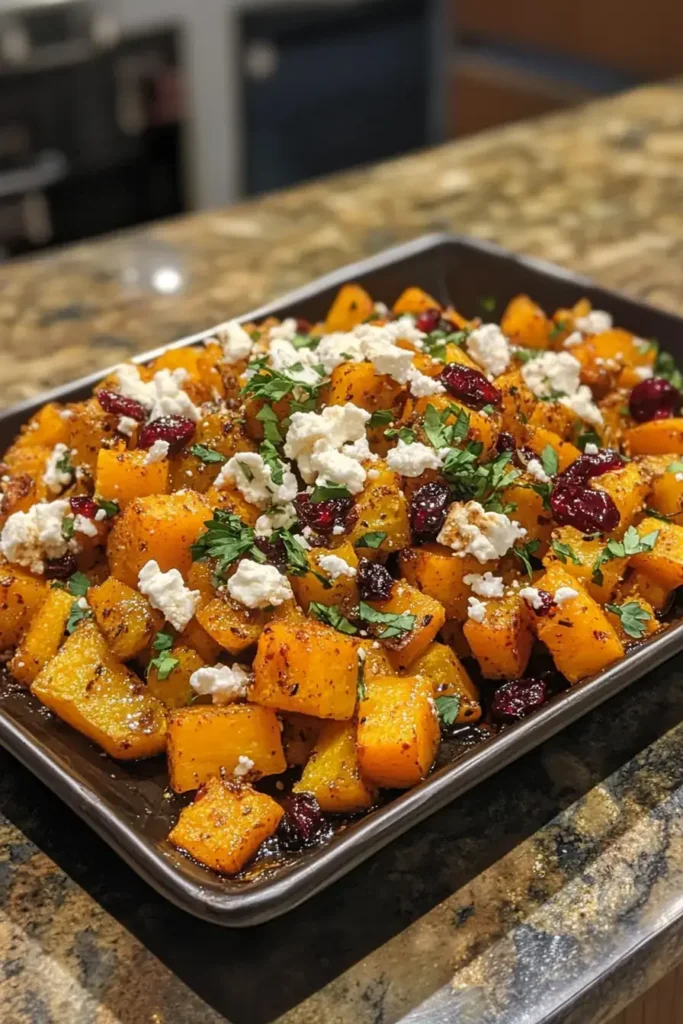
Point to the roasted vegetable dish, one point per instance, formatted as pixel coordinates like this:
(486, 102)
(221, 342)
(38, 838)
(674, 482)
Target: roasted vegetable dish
(296, 558)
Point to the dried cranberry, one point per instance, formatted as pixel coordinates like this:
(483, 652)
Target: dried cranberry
(303, 822)
(323, 516)
(505, 442)
(303, 326)
(375, 583)
(518, 698)
(469, 386)
(654, 399)
(430, 321)
(112, 401)
(586, 467)
(82, 506)
(428, 509)
(177, 430)
(274, 551)
(60, 568)
(547, 602)
(586, 510)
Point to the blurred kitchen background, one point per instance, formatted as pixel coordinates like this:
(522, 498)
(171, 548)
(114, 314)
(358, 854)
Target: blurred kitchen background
(117, 112)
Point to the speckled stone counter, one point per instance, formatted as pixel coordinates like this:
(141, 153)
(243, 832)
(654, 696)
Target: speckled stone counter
(552, 892)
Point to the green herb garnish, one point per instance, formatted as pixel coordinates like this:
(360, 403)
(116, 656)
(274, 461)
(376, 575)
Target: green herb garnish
(331, 615)
(226, 539)
(394, 625)
(269, 454)
(565, 553)
(632, 544)
(380, 418)
(524, 553)
(76, 615)
(271, 429)
(164, 662)
(448, 708)
(208, 455)
(329, 491)
(634, 618)
(549, 460)
(111, 508)
(373, 539)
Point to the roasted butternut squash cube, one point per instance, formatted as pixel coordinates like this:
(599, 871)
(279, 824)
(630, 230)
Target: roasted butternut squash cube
(43, 637)
(352, 305)
(578, 634)
(21, 595)
(89, 428)
(530, 513)
(656, 437)
(230, 624)
(398, 731)
(207, 740)
(24, 485)
(538, 439)
(635, 613)
(436, 571)
(628, 488)
(332, 773)
(122, 475)
(94, 693)
(517, 403)
(414, 300)
(666, 495)
(196, 637)
(221, 432)
(382, 508)
(375, 659)
(124, 617)
(525, 323)
(503, 640)
(46, 427)
(360, 384)
(638, 583)
(225, 825)
(307, 667)
(578, 555)
(664, 563)
(449, 678)
(342, 590)
(429, 618)
(158, 528)
(555, 417)
(175, 691)
(299, 733)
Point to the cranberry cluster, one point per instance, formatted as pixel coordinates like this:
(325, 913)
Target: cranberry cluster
(469, 386)
(574, 503)
(654, 399)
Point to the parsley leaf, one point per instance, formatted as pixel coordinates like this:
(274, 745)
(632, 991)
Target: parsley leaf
(665, 366)
(405, 434)
(558, 328)
(588, 437)
(297, 559)
(565, 553)
(549, 460)
(442, 434)
(373, 539)
(68, 527)
(271, 385)
(448, 708)
(675, 467)
(78, 584)
(331, 615)
(525, 552)
(269, 454)
(488, 304)
(208, 455)
(164, 662)
(380, 418)
(76, 615)
(329, 491)
(634, 618)
(394, 625)
(632, 544)
(305, 341)
(271, 429)
(226, 539)
(64, 465)
(110, 507)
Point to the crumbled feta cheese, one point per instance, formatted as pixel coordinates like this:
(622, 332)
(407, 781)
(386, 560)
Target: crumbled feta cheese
(334, 466)
(552, 372)
(336, 425)
(412, 459)
(591, 449)
(166, 591)
(575, 338)
(283, 357)
(678, 477)
(243, 767)
(581, 402)
(126, 425)
(596, 322)
(285, 330)
(476, 609)
(563, 594)
(277, 518)
(532, 596)
(223, 683)
(30, 537)
(403, 329)
(85, 526)
(487, 585)
(337, 348)
(161, 396)
(643, 372)
(132, 386)
(259, 586)
(252, 476)
(535, 469)
(422, 386)
(359, 450)
(381, 309)
(335, 566)
(100, 515)
(82, 604)
(55, 478)
(388, 358)
(489, 347)
(469, 530)
(66, 414)
(338, 530)
(235, 342)
(157, 453)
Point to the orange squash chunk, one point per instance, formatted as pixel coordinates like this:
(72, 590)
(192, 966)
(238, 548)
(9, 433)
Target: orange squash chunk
(414, 300)
(436, 571)
(230, 624)
(43, 637)
(657, 437)
(21, 595)
(502, 642)
(175, 691)
(124, 617)
(332, 773)
(665, 562)
(351, 306)
(449, 678)
(398, 731)
(122, 475)
(429, 618)
(525, 323)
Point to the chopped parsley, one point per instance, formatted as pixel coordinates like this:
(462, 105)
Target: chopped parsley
(331, 616)
(404, 434)
(68, 527)
(558, 328)
(329, 491)
(205, 454)
(374, 539)
(442, 434)
(448, 708)
(271, 429)
(226, 539)
(634, 618)
(632, 544)
(164, 662)
(297, 559)
(111, 508)
(565, 553)
(64, 465)
(588, 437)
(549, 460)
(393, 625)
(76, 615)
(525, 552)
(269, 454)
(271, 385)
(360, 679)
(675, 467)
(665, 366)
(381, 418)
(488, 304)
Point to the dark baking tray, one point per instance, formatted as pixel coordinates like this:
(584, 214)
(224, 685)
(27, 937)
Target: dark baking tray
(128, 805)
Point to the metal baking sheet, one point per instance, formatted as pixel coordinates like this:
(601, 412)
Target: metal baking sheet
(129, 805)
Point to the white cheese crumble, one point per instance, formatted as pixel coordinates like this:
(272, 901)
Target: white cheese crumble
(422, 386)
(374, 342)
(166, 591)
(551, 372)
(66, 414)
(532, 596)
(412, 459)
(595, 322)
(234, 341)
(643, 372)
(388, 358)
(54, 478)
(469, 530)
(100, 515)
(222, 683)
(82, 604)
(285, 330)
(335, 566)
(283, 357)
(30, 537)
(487, 585)
(336, 426)
(334, 466)
(476, 609)
(489, 347)
(575, 338)
(161, 396)
(337, 348)
(126, 425)
(253, 477)
(563, 594)
(259, 586)
(243, 767)
(535, 469)
(157, 453)
(581, 402)
(85, 526)
(277, 518)
(591, 449)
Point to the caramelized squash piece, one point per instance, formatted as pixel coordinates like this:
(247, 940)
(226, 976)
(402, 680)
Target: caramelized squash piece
(449, 678)
(429, 618)
(175, 691)
(332, 773)
(525, 323)
(343, 590)
(230, 624)
(382, 508)
(414, 300)
(21, 595)
(122, 475)
(502, 641)
(43, 637)
(299, 733)
(351, 307)
(434, 570)
(124, 617)
(398, 731)
(664, 564)
(656, 437)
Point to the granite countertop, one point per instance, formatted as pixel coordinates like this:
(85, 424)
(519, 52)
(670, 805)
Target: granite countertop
(551, 892)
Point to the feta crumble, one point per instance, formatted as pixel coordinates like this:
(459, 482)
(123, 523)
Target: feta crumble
(285, 330)
(222, 683)
(243, 767)
(643, 372)
(552, 372)
(54, 478)
(253, 478)
(161, 396)
(85, 526)
(581, 402)
(166, 591)
(422, 386)
(489, 347)
(336, 425)
(412, 459)
(30, 537)
(564, 594)
(534, 468)
(157, 453)
(469, 530)
(388, 358)
(235, 342)
(277, 518)
(532, 596)
(591, 449)
(476, 609)
(335, 566)
(126, 425)
(259, 586)
(334, 466)
(487, 585)
(595, 322)
(575, 338)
